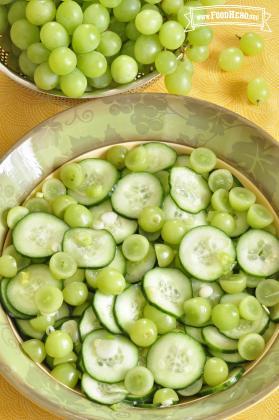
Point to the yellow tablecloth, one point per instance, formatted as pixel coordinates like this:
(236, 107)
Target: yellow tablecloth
(21, 110)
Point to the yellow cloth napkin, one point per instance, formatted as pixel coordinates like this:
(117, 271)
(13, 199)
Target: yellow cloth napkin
(21, 110)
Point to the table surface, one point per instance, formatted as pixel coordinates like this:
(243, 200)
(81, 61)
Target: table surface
(21, 110)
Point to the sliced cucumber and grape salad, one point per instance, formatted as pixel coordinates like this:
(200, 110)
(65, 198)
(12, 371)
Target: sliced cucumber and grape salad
(138, 287)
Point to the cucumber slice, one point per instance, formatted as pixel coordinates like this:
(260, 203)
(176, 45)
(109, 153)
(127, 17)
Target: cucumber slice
(108, 357)
(274, 313)
(247, 327)
(97, 212)
(268, 333)
(61, 321)
(119, 262)
(159, 156)
(258, 253)
(96, 172)
(105, 218)
(39, 235)
(80, 364)
(71, 327)
(233, 378)
(90, 248)
(173, 212)
(218, 341)
(167, 289)
(228, 357)
(129, 306)
(176, 360)
(195, 333)
(192, 389)
(27, 330)
(101, 392)
(63, 312)
(207, 253)
(145, 399)
(103, 306)
(88, 323)
(189, 190)
(13, 312)
(22, 288)
(235, 298)
(134, 192)
(135, 271)
(253, 281)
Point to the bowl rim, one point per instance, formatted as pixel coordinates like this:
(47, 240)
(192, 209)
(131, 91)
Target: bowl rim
(245, 120)
(228, 412)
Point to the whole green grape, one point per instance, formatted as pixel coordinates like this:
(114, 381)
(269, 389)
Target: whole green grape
(128, 48)
(179, 82)
(231, 59)
(62, 61)
(92, 64)
(77, 215)
(45, 78)
(110, 281)
(58, 344)
(225, 316)
(124, 69)
(127, 10)
(143, 332)
(164, 322)
(110, 44)
(86, 38)
(116, 156)
(39, 12)
(172, 35)
(148, 22)
(26, 66)
(73, 84)
(146, 48)
(75, 293)
(215, 371)
(131, 31)
(171, 7)
(200, 36)
(35, 349)
(151, 219)
(69, 14)
(198, 54)
(166, 62)
(67, 374)
(258, 91)
(16, 11)
(251, 43)
(54, 35)
(37, 53)
(97, 15)
(101, 82)
(23, 34)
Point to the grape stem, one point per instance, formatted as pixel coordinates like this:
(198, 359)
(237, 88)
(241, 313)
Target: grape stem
(238, 37)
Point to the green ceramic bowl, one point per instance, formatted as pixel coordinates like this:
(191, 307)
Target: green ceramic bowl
(137, 117)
